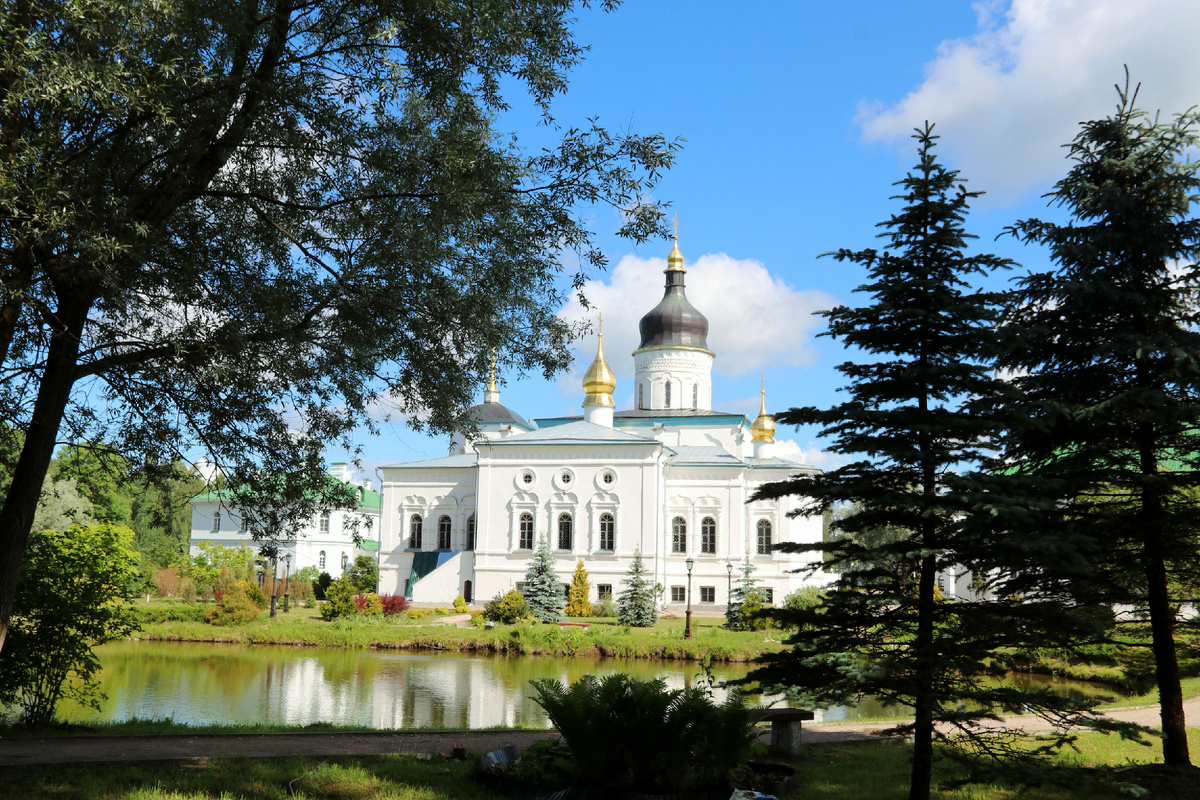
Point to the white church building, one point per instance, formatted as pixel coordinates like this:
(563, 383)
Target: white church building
(671, 478)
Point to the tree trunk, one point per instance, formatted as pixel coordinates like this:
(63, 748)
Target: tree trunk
(54, 390)
(922, 768)
(1166, 663)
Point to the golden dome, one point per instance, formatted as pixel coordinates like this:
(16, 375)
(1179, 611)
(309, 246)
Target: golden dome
(599, 382)
(675, 260)
(763, 427)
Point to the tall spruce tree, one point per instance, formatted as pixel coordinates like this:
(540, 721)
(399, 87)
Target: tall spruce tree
(926, 342)
(543, 590)
(1105, 351)
(635, 603)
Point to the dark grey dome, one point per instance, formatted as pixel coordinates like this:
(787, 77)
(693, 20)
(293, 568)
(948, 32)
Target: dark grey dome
(674, 322)
(493, 413)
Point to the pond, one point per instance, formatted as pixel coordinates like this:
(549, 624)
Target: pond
(204, 683)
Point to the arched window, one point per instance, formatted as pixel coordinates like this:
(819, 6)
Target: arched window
(414, 532)
(764, 537)
(667, 394)
(443, 532)
(526, 525)
(216, 521)
(678, 535)
(565, 529)
(324, 524)
(708, 535)
(345, 561)
(471, 532)
(695, 395)
(608, 532)
(321, 560)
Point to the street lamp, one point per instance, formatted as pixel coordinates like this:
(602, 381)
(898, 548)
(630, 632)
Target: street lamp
(687, 629)
(728, 583)
(274, 570)
(287, 568)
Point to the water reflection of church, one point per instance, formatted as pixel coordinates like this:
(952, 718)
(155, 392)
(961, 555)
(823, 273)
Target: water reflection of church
(671, 478)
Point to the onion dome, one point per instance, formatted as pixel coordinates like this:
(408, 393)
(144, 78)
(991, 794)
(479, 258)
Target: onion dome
(599, 382)
(674, 323)
(763, 427)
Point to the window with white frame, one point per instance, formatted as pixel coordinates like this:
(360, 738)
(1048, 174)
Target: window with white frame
(216, 522)
(526, 531)
(608, 532)
(566, 530)
(414, 532)
(679, 535)
(764, 537)
(768, 596)
(708, 536)
(444, 532)
(708, 594)
(471, 532)
(678, 594)
(603, 591)
(323, 524)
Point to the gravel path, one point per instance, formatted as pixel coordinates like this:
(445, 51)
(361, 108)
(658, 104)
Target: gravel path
(15, 752)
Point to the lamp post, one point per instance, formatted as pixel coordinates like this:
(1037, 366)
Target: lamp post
(728, 584)
(287, 569)
(274, 569)
(687, 628)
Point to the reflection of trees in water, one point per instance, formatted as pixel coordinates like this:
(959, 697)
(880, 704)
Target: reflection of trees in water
(193, 682)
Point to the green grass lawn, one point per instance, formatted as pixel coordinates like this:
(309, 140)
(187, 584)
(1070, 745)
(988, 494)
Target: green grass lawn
(865, 771)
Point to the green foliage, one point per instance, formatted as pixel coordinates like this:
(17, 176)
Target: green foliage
(926, 341)
(1106, 417)
(578, 604)
(369, 605)
(804, 598)
(174, 611)
(635, 603)
(71, 597)
(321, 584)
(606, 608)
(745, 602)
(215, 564)
(61, 506)
(543, 590)
(254, 593)
(507, 608)
(236, 606)
(339, 600)
(251, 189)
(100, 473)
(364, 574)
(460, 605)
(626, 734)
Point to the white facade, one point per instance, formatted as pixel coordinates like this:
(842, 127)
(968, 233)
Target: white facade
(326, 542)
(671, 478)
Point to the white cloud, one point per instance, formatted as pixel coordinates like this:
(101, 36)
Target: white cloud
(813, 456)
(756, 320)
(1006, 99)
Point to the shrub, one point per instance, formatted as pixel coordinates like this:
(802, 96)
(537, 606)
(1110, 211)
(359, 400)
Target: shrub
(234, 608)
(605, 608)
(753, 616)
(804, 598)
(255, 594)
(369, 604)
(460, 605)
(166, 582)
(300, 589)
(393, 604)
(508, 608)
(577, 595)
(169, 612)
(321, 585)
(187, 590)
(339, 600)
(626, 734)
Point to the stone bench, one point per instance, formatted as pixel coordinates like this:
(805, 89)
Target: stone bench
(785, 728)
(584, 625)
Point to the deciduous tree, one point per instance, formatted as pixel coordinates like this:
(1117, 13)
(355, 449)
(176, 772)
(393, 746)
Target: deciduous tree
(253, 226)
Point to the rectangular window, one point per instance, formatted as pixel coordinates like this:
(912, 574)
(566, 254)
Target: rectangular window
(603, 591)
(708, 594)
(768, 596)
(678, 594)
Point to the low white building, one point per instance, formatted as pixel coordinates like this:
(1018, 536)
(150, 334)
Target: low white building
(671, 478)
(327, 542)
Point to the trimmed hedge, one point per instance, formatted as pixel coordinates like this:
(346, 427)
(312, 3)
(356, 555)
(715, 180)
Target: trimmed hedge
(152, 613)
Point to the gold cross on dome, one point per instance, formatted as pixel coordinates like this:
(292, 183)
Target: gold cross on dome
(676, 221)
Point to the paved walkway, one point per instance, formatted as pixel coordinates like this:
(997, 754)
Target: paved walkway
(16, 752)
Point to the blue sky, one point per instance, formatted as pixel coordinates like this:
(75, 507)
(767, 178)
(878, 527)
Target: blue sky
(797, 117)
